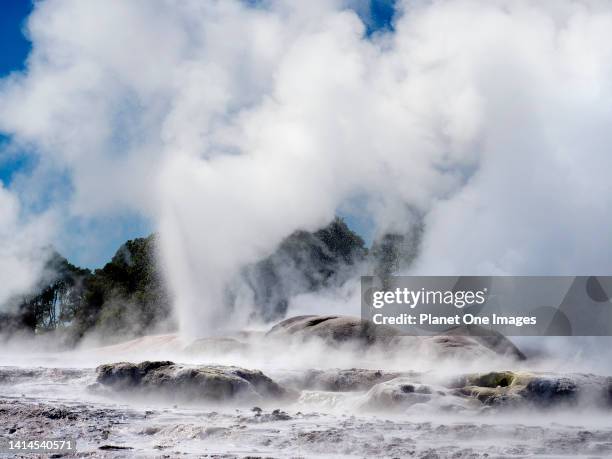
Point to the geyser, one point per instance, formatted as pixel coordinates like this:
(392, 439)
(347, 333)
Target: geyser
(250, 121)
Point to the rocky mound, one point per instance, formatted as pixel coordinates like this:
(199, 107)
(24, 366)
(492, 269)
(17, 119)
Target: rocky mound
(501, 390)
(335, 330)
(490, 339)
(337, 380)
(517, 389)
(403, 393)
(189, 383)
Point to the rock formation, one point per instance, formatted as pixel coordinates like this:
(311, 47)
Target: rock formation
(189, 383)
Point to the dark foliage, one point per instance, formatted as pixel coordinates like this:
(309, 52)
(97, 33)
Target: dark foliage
(56, 300)
(127, 296)
(304, 262)
(394, 252)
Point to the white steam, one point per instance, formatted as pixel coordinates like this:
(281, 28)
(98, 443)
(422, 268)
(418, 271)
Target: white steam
(22, 248)
(232, 126)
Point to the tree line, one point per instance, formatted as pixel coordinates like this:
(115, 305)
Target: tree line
(128, 296)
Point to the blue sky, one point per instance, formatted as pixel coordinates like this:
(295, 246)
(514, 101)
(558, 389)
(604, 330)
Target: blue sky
(14, 49)
(110, 233)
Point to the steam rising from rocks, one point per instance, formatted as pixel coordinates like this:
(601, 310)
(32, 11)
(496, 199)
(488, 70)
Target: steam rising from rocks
(232, 126)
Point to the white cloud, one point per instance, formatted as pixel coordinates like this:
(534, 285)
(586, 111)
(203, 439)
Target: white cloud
(233, 126)
(22, 247)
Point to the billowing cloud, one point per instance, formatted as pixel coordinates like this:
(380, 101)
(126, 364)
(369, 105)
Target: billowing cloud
(23, 248)
(232, 126)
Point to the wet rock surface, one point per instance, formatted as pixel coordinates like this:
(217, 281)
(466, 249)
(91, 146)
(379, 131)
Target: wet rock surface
(460, 342)
(542, 390)
(26, 418)
(189, 383)
(166, 409)
(258, 416)
(332, 329)
(14, 375)
(453, 344)
(338, 380)
(384, 390)
(110, 432)
(401, 394)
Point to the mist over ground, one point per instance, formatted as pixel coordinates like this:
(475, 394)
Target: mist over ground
(231, 125)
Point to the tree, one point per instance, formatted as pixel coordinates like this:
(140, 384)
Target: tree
(394, 252)
(126, 296)
(304, 262)
(55, 300)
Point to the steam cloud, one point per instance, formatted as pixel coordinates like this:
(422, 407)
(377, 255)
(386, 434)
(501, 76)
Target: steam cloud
(22, 247)
(232, 125)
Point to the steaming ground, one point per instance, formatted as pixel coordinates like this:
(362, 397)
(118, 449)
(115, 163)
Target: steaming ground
(334, 410)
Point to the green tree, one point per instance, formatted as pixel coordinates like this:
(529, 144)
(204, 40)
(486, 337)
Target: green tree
(55, 300)
(126, 296)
